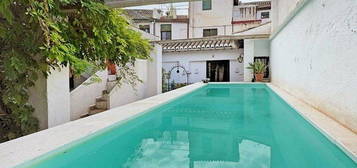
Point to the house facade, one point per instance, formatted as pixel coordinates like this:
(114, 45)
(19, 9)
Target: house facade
(154, 22)
(215, 49)
(225, 17)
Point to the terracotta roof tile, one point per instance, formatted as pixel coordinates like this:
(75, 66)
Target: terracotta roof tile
(139, 14)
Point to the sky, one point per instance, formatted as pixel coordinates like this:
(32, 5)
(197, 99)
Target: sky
(182, 8)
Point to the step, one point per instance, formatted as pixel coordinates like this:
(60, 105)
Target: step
(101, 98)
(95, 111)
(105, 92)
(92, 107)
(112, 78)
(101, 104)
(85, 115)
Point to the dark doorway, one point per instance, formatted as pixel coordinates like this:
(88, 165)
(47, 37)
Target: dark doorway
(218, 71)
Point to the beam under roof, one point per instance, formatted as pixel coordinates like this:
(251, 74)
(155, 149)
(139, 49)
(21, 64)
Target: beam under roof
(131, 3)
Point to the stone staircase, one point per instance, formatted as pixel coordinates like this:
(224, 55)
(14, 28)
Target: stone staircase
(102, 102)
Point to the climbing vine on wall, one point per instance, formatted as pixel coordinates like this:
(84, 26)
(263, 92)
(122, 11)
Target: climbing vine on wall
(39, 35)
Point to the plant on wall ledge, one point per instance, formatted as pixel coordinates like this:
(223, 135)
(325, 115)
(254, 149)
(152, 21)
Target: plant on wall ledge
(258, 68)
(37, 36)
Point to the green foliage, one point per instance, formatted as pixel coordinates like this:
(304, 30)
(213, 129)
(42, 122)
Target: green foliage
(258, 67)
(37, 36)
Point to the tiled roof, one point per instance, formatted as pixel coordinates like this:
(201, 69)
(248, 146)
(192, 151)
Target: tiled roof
(208, 44)
(179, 18)
(139, 14)
(259, 4)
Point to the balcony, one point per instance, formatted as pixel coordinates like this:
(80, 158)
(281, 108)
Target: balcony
(245, 13)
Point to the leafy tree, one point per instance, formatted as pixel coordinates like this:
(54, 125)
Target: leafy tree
(39, 35)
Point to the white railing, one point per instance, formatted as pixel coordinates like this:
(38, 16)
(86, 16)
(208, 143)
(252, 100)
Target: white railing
(244, 13)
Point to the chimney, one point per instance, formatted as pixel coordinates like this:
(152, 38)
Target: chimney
(157, 13)
(172, 12)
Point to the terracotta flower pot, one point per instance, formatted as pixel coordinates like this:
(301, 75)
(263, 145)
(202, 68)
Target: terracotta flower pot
(112, 69)
(259, 77)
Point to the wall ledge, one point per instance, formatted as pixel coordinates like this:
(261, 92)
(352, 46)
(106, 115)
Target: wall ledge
(19, 151)
(343, 137)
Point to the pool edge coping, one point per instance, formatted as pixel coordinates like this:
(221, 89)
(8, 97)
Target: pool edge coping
(24, 149)
(338, 134)
(11, 153)
(341, 136)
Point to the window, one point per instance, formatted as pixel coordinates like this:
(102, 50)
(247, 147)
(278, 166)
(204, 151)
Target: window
(206, 4)
(209, 32)
(145, 28)
(166, 32)
(265, 15)
(235, 2)
(240, 43)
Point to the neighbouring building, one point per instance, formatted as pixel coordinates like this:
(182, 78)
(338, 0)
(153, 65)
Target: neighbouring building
(192, 60)
(166, 27)
(224, 17)
(221, 44)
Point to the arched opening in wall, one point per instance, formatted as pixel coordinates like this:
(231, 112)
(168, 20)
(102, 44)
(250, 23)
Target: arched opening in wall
(178, 77)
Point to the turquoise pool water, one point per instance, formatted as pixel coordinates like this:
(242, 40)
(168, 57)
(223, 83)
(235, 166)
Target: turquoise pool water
(217, 126)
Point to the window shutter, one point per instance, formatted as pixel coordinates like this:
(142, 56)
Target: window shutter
(206, 4)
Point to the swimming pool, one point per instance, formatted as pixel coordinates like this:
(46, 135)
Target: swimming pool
(218, 125)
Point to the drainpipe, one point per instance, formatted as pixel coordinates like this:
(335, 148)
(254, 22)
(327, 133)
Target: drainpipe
(188, 30)
(154, 27)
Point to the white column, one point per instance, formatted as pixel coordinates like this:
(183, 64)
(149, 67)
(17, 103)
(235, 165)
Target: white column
(58, 97)
(51, 99)
(248, 58)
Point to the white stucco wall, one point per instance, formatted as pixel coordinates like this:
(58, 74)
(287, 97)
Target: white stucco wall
(220, 17)
(51, 98)
(178, 30)
(282, 9)
(248, 58)
(58, 97)
(197, 32)
(38, 100)
(254, 48)
(314, 57)
(150, 72)
(84, 96)
(126, 94)
(195, 62)
(154, 81)
(244, 26)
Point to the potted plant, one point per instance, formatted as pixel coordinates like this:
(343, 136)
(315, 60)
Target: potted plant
(259, 69)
